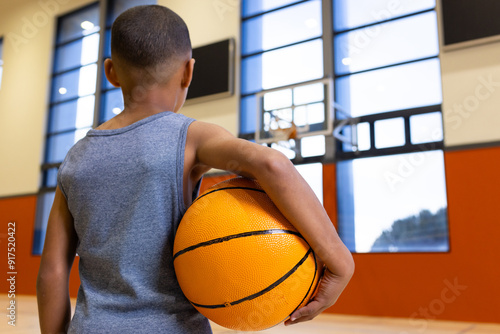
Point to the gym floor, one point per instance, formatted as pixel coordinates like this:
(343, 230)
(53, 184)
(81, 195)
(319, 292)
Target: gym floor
(27, 323)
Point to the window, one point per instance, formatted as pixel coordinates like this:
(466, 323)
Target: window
(393, 203)
(312, 173)
(75, 104)
(383, 57)
(1, 60)
(283, 65)
(72, 99)
(390, 175)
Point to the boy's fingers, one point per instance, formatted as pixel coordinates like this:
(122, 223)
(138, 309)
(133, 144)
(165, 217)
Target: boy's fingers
(308, 312)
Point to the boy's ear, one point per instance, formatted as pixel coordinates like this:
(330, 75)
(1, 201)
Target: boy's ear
(110, 71)
(188, 73)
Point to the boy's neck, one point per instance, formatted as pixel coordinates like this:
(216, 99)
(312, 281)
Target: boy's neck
(151, 103)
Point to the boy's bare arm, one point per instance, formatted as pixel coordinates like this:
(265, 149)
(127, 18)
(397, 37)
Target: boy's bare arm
(54, 308)
(217, 148)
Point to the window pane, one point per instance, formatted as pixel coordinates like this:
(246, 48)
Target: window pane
(394, 88)
(348, 133)
(251, 69)
(119, 6)
(363, 131)
(43, 206)
(72, 115)
(81, 23)
(313, 174)
(113, 103)
(73, 84)
(394, 203)
(252, 7)
(78, 53)
(50, 177)
(286, 26)
(248, 115)
(277, 100)
(386, 44)
(312, 146)
(426, 128)
(80, 133)
(309, 94)
(290, 65)
(309, 114)
(293, 64)
(348, 14)
(390, 132)
(107, 46)
(58, 145)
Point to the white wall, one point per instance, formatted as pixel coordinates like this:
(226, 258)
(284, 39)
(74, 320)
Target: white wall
(28, 28)
(471, 94)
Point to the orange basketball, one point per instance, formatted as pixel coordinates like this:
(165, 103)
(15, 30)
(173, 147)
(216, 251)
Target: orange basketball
(239, 261)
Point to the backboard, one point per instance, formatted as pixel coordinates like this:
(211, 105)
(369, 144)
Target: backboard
(299, 119)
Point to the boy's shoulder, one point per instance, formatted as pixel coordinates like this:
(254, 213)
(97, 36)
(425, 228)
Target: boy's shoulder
(205, 130)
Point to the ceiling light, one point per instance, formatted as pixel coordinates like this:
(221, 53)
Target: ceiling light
(347, 61)
(87, 25)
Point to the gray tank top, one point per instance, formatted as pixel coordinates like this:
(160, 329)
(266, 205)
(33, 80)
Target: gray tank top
(124, 190)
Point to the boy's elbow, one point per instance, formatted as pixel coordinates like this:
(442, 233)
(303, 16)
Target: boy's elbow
(50, 275)
(350, 267)
(276, 164)
(41, 284)
(44, 276)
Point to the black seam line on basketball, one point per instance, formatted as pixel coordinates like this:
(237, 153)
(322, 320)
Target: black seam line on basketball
(312, 282)
(310, 286)
(260, 293)
(236, 236)
(227, 188)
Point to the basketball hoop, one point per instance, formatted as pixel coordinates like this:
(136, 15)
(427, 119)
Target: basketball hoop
(283, 133)
(283, 123)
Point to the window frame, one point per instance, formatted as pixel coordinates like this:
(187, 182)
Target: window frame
(346, 203)
(408, 147)
(328, 38)
(335, 151)
(328, 70)
(46, 166)
(340, 153)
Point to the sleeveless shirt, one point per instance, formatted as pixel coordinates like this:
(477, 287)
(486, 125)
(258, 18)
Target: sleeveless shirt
(124, 189)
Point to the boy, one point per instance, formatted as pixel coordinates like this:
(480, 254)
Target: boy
(123, 189)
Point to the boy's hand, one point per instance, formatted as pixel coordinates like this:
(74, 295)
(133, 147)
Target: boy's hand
(329, 290)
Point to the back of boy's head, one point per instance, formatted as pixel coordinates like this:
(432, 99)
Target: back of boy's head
(149, 37)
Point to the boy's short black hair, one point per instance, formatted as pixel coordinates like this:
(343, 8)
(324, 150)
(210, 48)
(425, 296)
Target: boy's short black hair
(148, 36)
